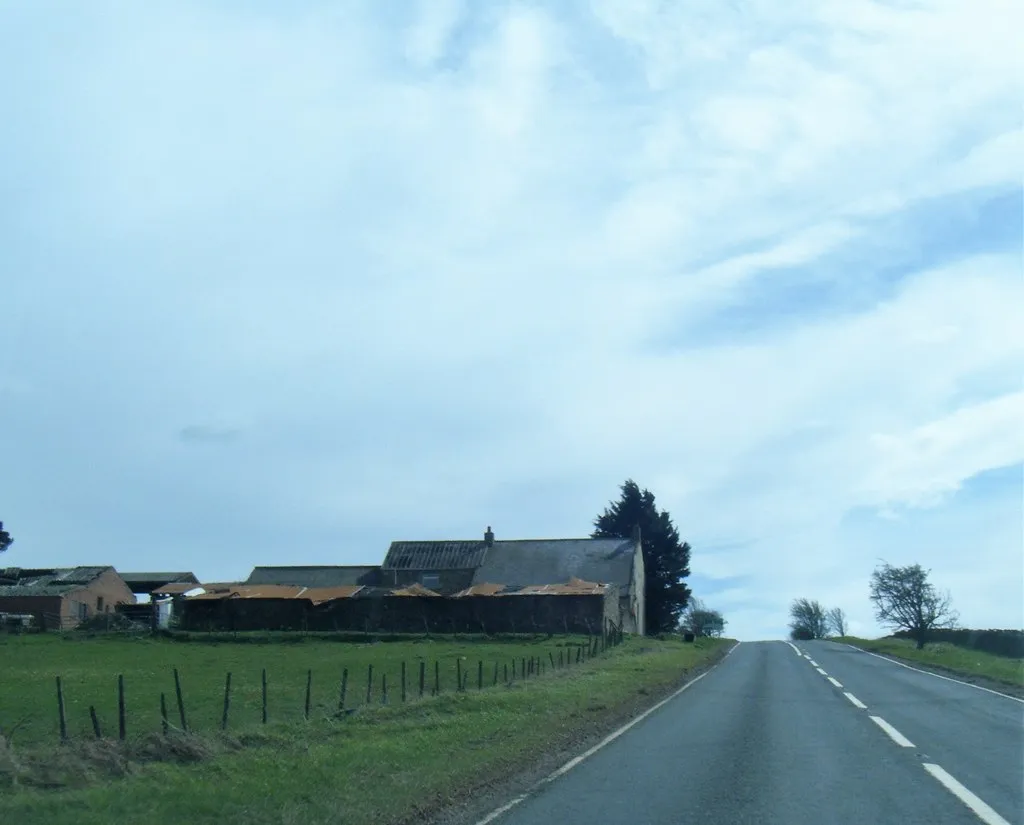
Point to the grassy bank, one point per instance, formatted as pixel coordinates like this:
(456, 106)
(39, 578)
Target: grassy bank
(384, 765)
(948, 658)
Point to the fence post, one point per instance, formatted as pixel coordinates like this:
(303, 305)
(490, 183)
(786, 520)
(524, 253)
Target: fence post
(552, 657)
(480, 675)
(495, 674)
(423, 676)
(403, 680)
(579, 654)
(164, 724)
(181, 701)
(369, 683)
(458, 673)
(60, 712)
(523, 665)
(263, 683)
(506, 673)
(121, 722)
(309, 693)
(95, 722)
(437, 678)
(383, 688)
(227, 702)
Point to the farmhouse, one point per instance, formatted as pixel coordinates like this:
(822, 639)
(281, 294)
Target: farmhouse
(61, 598)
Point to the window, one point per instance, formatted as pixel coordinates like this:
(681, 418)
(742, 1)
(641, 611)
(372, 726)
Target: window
(99, 604)
(83, 610)
(431, 581)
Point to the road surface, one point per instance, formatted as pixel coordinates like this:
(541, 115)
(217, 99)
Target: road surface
(813, 733)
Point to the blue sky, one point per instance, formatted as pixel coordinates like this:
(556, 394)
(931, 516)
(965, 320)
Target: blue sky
(284, 284)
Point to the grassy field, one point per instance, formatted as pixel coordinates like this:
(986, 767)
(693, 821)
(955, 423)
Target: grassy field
(950, 658)
(89, 668)
(384, 765)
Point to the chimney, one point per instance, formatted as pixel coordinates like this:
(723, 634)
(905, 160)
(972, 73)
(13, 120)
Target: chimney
(489, 537)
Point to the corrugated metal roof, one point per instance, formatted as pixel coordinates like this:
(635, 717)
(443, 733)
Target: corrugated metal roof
(435, 555)
(415, 589)
(319, 595)
(49, 582)
(316, 575)
(555, 561)
(482, 589)
(574, 587)
(316, 595)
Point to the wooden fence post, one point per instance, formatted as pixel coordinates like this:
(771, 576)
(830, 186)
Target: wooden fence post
(369, 683)
(121, 721)
(95, 722)
(458, 673)
(403, 680)
(383, 688)
(344, 689)
(552, 657)
(309, 693)
(495, 673)
(60, 712)
(480, 675)
(263, 683)
(423, 676)
(227, 702)
(437, 678)
(181, 701)
(165, 726)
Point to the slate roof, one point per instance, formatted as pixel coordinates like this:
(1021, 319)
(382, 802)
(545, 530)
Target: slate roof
(316, 575)
(153, 580)
(524, 562)
(435, 555)
(16, 581)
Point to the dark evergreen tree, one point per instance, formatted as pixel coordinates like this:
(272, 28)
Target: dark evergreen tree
(5, 538)
(666, 558)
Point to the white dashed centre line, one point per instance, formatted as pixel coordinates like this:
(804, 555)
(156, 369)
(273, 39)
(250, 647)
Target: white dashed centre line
(857, 702)
(983, 811)
(822, 672)
(834, 682)
(894, 734)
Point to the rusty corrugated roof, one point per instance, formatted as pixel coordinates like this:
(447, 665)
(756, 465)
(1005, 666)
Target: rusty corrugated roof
(415, 589)
(319, 595)
(482, 589)
(574, 587)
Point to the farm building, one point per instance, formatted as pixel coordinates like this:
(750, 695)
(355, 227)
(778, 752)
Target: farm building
(317, 575)
(61, 598)
(451, 567)
(146, 583)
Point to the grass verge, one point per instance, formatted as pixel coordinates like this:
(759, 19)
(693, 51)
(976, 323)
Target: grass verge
(947, 658)
(391, 764)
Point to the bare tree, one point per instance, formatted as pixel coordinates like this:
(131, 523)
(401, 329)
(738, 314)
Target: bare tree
(700, 620)
(807, 620)
(837, 621)
(905, 599)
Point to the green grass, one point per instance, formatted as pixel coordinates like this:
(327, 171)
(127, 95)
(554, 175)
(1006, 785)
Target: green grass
(89, 666)
(949, 657)
(387, 765)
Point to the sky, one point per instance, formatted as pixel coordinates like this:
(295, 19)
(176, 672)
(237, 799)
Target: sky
(283, 283)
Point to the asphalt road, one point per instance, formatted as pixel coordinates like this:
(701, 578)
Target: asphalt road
(767, 739)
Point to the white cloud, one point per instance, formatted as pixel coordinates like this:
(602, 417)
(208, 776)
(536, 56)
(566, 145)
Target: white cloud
(419, 269)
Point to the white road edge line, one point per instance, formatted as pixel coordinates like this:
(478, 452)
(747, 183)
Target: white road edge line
(796, 650)
(572, 763)
(834, 682)
(822, 672)
(983, 811)
(936, 675)
(894, 734)
(854, 700)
